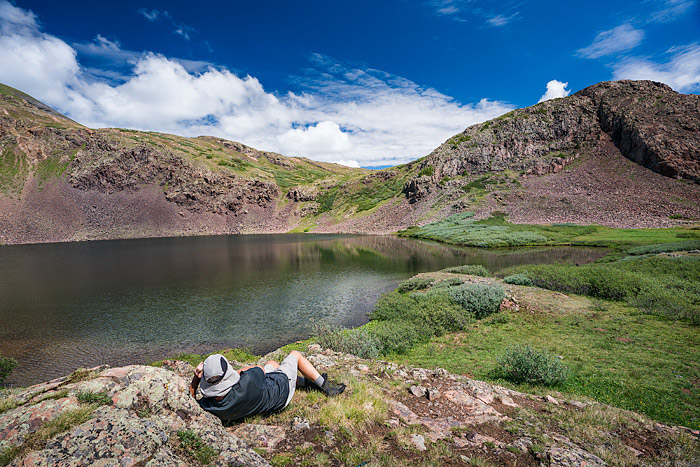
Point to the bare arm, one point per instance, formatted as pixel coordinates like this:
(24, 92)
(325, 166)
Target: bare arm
(196, 379)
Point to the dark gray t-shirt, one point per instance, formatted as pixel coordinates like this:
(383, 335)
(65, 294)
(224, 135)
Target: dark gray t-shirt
(255, 393)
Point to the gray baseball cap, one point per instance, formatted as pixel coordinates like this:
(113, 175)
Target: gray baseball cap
(218, 377)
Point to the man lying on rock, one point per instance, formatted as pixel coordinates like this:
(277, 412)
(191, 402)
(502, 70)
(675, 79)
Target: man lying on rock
(236, 394)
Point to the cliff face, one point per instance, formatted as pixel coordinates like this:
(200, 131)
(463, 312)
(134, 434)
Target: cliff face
(607, 151)
(649, 122)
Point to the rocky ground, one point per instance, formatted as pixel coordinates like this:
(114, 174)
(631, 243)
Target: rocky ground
(389, 415)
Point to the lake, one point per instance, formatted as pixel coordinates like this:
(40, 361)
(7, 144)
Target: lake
(70, 305)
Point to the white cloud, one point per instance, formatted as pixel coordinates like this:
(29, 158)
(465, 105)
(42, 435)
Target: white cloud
(555, 89)
(501, 20)
(498, 20)
(672, 10)
(349, 114)
(40, 64)
(681, 71)
(323, 139)
(493, 13)
(348, 163)
(619, 39)
(150, 15)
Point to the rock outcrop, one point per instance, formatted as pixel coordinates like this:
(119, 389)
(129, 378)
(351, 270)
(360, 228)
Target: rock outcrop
(141, 415)
(649, 122)
(144, 418)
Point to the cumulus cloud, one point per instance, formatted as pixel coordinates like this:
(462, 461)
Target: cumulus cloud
(555, 89)
(322, 139)
(620, 39)
(345, 114)
(42, 65)
(681, 71)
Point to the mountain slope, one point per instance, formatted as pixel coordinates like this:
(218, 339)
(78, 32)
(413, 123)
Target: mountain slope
(621, 153)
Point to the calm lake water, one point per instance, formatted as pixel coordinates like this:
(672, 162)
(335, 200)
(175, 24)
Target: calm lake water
(70, 305)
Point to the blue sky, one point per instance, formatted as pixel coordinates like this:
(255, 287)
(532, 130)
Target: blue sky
(361, 83)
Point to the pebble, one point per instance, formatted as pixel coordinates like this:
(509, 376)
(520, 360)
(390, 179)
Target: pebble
(551, 400)
(418, 391)
(418, 441)
(299, 424)
(433, 394)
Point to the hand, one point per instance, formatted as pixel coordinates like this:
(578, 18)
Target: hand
(198, 371)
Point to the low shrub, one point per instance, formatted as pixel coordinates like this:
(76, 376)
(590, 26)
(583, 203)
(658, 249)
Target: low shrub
(598, 281)
(433, 309)
(473, 269)
(522, 364)
(447, 283)
(415, 283)
(664, 300)
(518, 279)
(7, 365)
(664, 286)
(665, 247)
(399, 337)
(358, 341)
(479, 299)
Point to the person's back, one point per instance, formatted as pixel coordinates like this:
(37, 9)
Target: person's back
(255, 393)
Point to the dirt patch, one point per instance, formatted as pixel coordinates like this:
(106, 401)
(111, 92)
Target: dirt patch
(624, 340)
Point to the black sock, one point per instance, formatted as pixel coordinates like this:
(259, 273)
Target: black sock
(302, 382)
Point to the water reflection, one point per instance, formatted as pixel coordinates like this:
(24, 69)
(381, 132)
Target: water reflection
(77, 304)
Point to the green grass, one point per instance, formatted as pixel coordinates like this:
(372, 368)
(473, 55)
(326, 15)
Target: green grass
(668, 286)
(497, 232)
(194, 448)
(13, 172)
(621, 357)
(50, 168)
(455, 141)
(428, 170)
(367, 196)
(91, 397)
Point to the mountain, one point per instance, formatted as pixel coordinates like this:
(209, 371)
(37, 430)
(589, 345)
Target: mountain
(623, 153)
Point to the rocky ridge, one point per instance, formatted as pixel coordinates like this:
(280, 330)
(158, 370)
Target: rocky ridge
(408, 415)
(60, 181)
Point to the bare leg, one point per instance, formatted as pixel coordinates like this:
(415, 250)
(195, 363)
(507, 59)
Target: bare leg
(273, 364)
(305, 367)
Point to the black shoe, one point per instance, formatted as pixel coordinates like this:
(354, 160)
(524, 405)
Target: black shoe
(312, 385)
(332, 389)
